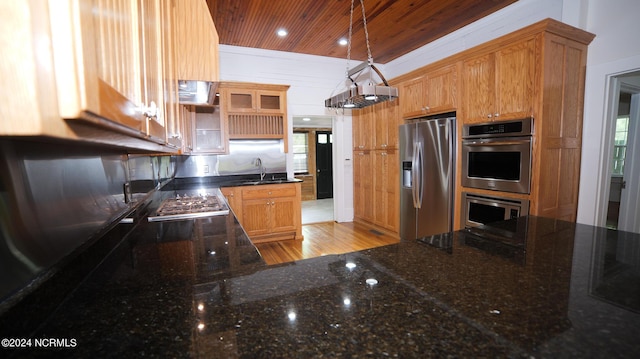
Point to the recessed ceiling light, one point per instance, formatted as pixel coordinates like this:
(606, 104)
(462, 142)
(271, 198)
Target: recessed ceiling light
(343, 42)
(282, 32)
(306, 119)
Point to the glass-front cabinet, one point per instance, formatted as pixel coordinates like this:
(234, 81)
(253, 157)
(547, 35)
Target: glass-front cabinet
(206, 130)
(255, 101)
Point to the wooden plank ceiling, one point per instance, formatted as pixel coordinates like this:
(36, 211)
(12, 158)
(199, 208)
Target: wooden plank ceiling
(395, 27)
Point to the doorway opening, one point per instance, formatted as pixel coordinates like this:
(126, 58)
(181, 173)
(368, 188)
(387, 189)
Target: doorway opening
(624, 168)
(313, 164)
(324, 165)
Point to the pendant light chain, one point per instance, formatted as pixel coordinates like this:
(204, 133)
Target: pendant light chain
(349, 42)
(366, 33)
(359, 95)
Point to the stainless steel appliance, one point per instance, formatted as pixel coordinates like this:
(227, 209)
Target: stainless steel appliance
(427, 153)
(497, 155)
(479, 210)
(191, 205)
(496, 224)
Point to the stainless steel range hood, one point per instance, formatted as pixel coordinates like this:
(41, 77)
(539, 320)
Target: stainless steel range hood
(192, 92)
(359, 96)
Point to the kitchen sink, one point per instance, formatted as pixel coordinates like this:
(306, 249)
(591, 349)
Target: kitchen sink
(270, 181)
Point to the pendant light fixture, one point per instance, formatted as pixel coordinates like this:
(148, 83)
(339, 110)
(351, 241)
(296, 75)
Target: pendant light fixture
(361, 95)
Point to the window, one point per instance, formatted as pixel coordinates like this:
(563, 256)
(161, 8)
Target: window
(300, 152)
(620, 145)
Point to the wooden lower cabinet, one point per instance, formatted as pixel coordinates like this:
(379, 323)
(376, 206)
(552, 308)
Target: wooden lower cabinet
(267, 212)
(376, 189)
(363, 186)
(386, 190)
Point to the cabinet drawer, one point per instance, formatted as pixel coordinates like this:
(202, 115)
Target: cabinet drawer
(269, 191)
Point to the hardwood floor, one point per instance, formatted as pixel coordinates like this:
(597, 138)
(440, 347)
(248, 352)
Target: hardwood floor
(324, 238)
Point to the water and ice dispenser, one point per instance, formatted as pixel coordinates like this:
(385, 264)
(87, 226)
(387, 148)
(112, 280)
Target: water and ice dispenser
(406, 174)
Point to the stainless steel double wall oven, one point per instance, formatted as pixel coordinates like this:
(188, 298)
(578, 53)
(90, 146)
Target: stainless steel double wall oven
(496, 156)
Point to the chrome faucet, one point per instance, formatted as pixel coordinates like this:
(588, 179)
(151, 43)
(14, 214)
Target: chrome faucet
(263, 170)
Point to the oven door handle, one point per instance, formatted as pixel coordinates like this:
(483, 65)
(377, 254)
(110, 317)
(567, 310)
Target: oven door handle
(496, 143)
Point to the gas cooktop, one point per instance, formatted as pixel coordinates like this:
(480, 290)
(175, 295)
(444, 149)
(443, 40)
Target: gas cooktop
(190, 206)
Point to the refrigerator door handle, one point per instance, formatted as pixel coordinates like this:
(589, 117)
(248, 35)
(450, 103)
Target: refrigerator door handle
(414, 175)
(420, 174)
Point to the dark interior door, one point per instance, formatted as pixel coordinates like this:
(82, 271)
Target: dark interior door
(324, 165)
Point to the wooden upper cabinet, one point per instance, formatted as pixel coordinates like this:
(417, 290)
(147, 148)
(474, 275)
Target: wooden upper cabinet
(363, 128)
(207, 130)
(255, 111)
(500, 85)
(153, 35)
(173, 115)
(515, 79)
(197, 44)
(108, 75)
(385, 122)
(255, 101)
(112, 74)
(376, 127)
(432, 93)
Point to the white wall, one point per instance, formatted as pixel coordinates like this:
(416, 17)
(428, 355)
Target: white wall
(616, 49)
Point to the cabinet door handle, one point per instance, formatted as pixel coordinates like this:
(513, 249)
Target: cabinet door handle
(151, 111)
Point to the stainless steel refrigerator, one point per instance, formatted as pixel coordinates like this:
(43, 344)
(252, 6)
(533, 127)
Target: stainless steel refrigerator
(427, 157)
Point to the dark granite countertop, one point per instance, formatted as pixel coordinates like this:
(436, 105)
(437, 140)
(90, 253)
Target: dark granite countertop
(199, 288)
(230, 181)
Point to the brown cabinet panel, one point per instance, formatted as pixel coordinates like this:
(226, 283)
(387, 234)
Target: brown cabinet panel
(267, 212)
(363, 185)
(255, 101)
(256, 216)
(269, 191)
(386, 191)
(385, 118)
(556, 169)
(432, 93)
(283, 214)
(478, 89)
(197, 42)
(413, 95)
(500, 85)
(363, 127)
(515, 80)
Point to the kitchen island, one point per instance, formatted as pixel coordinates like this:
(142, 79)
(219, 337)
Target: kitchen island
(199, 288)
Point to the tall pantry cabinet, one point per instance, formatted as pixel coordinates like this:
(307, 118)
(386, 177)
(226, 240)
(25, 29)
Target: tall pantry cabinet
(375, 162)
